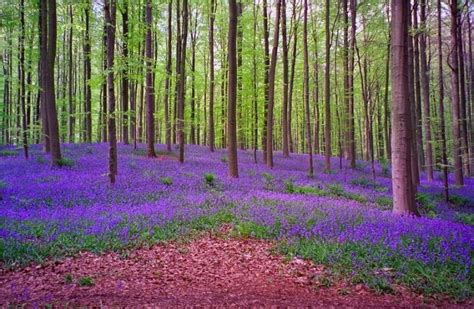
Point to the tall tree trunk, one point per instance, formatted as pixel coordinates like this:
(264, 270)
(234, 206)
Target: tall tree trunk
(271, 86)
(48, 55)
(22, 79)
(306, 89)
(232, 90)
(71, 107)
(425, 84)
(350, 87)
(403, 193)
(110, 14)
(124, 80)
(103, 112)
(266, 81)
(444, 157)
(194, 22)
(327, 93)
(150, 89)
(284, 112)
(211, 129)
(292, 74)
(168, 77)
(455, 104)
(182, 81)
(87, 75)
(415, 86)
(254, 85)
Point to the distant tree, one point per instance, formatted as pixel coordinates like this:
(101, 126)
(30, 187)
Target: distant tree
(150, 89)
(306, 88)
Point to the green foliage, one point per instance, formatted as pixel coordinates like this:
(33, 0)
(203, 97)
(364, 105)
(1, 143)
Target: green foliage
(465, 218)
(8, 153)
(268, 181)
(85, 281)
(384, 202)
(426, 204)
(457, 200)
(379, 268)
(385, 166)
(210, 179)
(249, 229)
(68, 278)
(65, 162)
(167, 181)
(224, 159)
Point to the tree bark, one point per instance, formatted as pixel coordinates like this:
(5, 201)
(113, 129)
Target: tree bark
(232, 91)
(150, 89)
(124, 80)
(110, 14)
(455, 105)
(211, 129)
(87, 75)
(284, 112)
(271, 86)
(403, 194)
(22, 80)
(182, 82)
(306, 89)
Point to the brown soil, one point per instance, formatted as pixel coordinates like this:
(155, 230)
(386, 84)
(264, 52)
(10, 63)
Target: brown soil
(209, 271)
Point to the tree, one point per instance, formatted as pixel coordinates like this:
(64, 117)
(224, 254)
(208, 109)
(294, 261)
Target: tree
(150, 90)
(403, 193)
(110, 15)
(284, 112)
(24, 126)
(271, 87)
(47, 57)
(456, 123)
(426, 94)
(444, 157)
(232, 90)
(87, 75)
(211, 129)
(168, 77)
(327, 93)
(306, 88)
(124, 80)
(182, 82)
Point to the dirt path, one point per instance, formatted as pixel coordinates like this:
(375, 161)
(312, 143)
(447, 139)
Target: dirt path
(208, 271)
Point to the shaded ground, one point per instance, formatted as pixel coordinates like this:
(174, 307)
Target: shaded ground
(211, 270)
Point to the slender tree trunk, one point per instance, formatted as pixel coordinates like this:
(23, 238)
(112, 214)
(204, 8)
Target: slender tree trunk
(182, 80)
(416, 88)
(271, 87)
(232, 90)
(284, 112)
(193, 78)
(306, 89)
(168, 77)
(425, 80)
(266, 80)
(110, 14)
(327, 93)
(254, 85)
(350, 87)
(444, 157)
(403, 193)
(456, 114)
(124, 80)
(71, 106)
(87, 75)
(292, 74)
(150, 89)
(211, 129)
(104, 87)
(22, 79)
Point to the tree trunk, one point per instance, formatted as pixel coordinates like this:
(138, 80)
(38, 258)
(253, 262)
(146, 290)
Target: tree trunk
(425, 84)
(87, 76)
(182, 82)
(456, 122)
(48, 55)
(403, 194)
(266, 81)
(232, 91)
(211, 129)
(125, 97)
(327, 93)
(168, 77)
(284, 112)
(110, 14)
(306, 89)
(271, 86)
(150, 89)
(444, 157)
(22, 80)
(71, 106)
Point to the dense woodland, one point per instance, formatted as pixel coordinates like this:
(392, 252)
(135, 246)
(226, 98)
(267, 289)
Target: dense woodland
(361, 80)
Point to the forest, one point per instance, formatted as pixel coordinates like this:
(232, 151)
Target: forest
(241, 152)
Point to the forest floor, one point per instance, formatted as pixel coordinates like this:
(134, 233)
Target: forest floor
(212, 270)
(186, 234)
